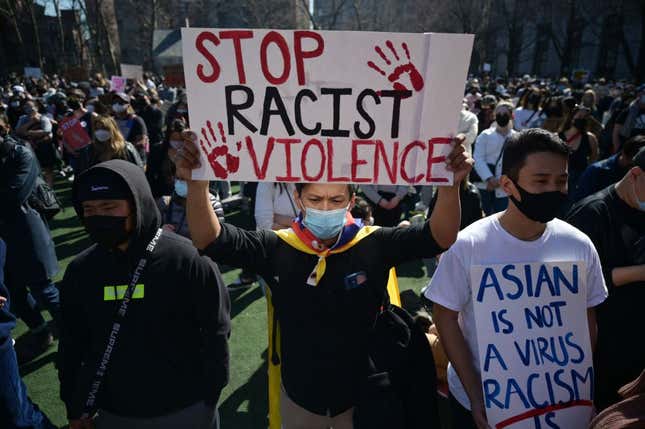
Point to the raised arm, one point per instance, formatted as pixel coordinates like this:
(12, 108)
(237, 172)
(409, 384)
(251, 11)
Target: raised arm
(202, 222)
(446, 215)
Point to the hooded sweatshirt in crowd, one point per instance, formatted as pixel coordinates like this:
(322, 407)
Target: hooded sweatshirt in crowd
(172, 349)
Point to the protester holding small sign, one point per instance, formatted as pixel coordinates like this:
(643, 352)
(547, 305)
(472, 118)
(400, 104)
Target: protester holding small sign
(614, 219)
(513, 295)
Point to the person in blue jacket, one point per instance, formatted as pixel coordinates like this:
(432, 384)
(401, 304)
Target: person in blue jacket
(16, 409)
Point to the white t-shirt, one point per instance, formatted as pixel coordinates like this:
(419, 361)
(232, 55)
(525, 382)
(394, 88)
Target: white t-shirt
(274, 199)
(486, 242)
(488, 148)
(525, 118)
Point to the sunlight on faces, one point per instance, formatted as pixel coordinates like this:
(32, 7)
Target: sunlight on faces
(324, 196)
(109, 208)
(541, 172)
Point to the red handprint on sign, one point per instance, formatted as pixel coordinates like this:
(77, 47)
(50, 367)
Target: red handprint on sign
(400, 69)
(214, 152)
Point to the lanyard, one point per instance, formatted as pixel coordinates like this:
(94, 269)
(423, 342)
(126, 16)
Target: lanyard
(89, 408)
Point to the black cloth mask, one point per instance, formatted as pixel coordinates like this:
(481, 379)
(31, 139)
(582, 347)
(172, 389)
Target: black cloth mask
(107, 231)
(542, 207)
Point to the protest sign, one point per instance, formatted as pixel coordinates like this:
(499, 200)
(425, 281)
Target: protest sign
(324, 106)
(33, 72)
(117, 83)
(131, 71)
(74, 134)
(174, 75)
(534, 346)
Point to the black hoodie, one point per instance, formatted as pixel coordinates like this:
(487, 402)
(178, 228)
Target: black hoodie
(172, 349)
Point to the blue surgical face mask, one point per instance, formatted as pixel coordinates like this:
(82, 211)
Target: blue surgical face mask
(181, 188)
(325, 224)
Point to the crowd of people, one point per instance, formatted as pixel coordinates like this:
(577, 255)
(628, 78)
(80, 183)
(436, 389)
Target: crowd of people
(556, 174)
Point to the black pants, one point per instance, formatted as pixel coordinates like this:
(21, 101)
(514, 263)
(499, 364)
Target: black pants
(460, 416)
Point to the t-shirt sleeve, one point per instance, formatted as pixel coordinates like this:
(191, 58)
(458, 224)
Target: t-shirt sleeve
(45, 124)
(404, 244)
(238, 247)
(596, 287)
(450, 284)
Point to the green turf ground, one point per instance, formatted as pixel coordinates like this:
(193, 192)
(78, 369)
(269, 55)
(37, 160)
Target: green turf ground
(244, 401)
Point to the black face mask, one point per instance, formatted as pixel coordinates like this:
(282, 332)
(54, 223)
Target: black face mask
(502, 119)
(107, 231)
(542, 207)
(580, 124)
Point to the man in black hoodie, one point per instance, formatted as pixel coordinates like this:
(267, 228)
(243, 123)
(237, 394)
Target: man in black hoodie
(166, 354)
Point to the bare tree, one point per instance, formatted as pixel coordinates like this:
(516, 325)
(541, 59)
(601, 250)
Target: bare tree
(35, 29)
(61, 33)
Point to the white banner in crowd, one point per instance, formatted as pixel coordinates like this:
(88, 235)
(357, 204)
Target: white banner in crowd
(131, 71)
(324, 106)
(34, 72)
(534, 346)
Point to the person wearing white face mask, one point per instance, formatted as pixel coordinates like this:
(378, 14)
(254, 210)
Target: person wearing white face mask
(173, 209)
(108, 143)
(614, 219)
(132, 127)
(327, 275)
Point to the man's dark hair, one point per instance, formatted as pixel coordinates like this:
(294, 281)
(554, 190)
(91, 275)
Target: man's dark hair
(632, 146)
(301, 186)
(533, 140)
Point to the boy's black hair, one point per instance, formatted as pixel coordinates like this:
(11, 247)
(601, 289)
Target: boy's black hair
(533, 140)
(301, 186)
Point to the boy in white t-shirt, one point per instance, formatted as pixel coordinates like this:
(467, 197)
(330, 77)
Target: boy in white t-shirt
(534, 175)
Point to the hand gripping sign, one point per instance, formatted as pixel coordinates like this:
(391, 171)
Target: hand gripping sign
(534, 348)
(324, 106)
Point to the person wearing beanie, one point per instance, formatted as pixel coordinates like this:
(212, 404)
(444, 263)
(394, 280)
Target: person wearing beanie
(614, 219)
(145, 318)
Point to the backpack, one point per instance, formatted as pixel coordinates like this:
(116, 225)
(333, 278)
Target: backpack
(43, 199)
(400, 390)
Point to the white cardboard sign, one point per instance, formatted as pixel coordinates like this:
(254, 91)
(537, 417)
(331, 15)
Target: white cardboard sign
(132, 71)
(534, 347)
(324, 106)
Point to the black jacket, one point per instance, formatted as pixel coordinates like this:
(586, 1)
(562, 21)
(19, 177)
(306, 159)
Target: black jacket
(31, 255)
(172, 349)
(324, 329)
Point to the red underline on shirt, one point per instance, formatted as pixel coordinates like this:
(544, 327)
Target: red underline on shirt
(540, 411)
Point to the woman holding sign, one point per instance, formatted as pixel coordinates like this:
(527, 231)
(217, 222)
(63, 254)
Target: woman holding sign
(327, 275)
(514, 301)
